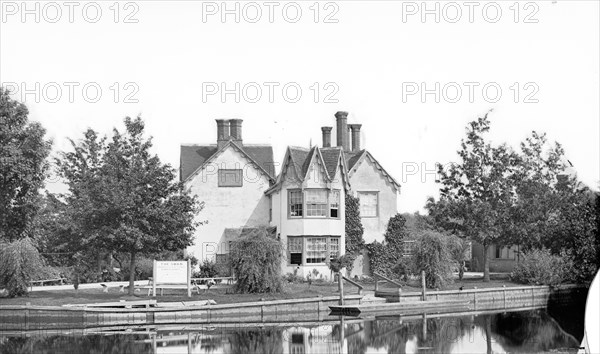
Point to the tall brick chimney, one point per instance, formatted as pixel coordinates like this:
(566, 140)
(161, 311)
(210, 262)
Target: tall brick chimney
(355, 136)
(235, 130)
(222, 132)
(342, 130)
(326, 136)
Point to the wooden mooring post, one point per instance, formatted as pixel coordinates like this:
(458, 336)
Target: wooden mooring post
(341, 288)
(424, 292)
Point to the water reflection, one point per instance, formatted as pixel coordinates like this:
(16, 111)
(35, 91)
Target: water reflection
(524, 331)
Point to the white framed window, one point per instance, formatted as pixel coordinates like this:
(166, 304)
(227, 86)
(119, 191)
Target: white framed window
(316, 202)
(316, 250)
(295, 245)
(230, 178)
(369, 204)
(334, 247)
(334, 204)
(295, 203)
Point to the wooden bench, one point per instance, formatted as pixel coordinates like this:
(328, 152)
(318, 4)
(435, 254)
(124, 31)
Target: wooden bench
(228, 280)
(41, 282)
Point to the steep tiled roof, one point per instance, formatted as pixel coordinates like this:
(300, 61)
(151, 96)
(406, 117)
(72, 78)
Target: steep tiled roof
(299, 156)
(331, 157)
(353, 157)
(263, 155)
(194, 156)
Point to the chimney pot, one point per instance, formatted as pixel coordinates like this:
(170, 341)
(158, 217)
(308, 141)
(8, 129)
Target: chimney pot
(326, 136)
(222, 132)
(342, 129)
(236, 130)
(355, 136)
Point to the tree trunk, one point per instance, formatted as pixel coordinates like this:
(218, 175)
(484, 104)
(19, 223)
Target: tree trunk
(132, 274)
(486, 263)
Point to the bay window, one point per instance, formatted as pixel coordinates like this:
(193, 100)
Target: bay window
(295, 250)
(316, 202)
(316, 250)
(296, 202)
(334, 248)
(334, 204)
(304, 250)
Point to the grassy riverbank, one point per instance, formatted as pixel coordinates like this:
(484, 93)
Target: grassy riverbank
(220, 295)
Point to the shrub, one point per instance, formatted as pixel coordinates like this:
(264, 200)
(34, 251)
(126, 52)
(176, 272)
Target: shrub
(379, 259)
(385, 258)
(540, 267)
(255, 259)
(404, 268)
(341, 262)
(20, 262)
(293, 277)
(433, 255)
(208, 269)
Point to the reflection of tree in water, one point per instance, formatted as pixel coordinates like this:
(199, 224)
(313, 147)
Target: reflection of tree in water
(94, 344)
(393, 335)
(530, 331)
(568, 309)
(258, 341)
(212, 343)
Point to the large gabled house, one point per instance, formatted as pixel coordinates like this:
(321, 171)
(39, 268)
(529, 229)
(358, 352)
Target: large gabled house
(304, 203)
(230, 177)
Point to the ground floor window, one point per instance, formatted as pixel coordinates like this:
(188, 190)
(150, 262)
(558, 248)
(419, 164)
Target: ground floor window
(295, 246)
(312, 249)
(316, 249)
(509, 252)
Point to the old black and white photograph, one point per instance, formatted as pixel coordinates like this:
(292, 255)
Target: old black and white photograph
(299, 177)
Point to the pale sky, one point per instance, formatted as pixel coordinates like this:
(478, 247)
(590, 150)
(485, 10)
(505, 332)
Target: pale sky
(374, 54)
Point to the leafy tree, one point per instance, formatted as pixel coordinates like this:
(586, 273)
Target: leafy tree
(255, 259)
(354, 228)
(20, 262)
(23, 167)
(552, 209)
(476, 194)
(434, 256)
(124, 200)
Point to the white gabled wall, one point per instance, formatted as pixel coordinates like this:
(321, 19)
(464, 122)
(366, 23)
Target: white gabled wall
(227, 207)
(367, 178)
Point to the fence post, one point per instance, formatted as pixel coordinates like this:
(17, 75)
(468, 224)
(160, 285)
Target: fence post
(341, 288)
(154, 277)
(424, 292)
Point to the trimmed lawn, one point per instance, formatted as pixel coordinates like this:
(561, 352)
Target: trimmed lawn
(220, 295)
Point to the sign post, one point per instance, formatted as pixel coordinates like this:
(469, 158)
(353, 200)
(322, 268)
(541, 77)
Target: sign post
(172, 274)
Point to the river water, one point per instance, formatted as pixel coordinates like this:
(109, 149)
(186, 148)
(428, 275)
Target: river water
(557, 328)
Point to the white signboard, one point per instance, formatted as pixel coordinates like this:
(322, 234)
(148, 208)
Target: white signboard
(171, 272)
